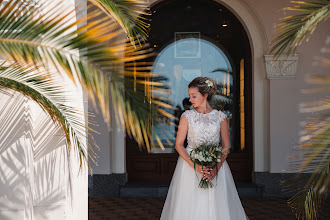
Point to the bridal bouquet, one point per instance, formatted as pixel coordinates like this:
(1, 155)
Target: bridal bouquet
(206, 155)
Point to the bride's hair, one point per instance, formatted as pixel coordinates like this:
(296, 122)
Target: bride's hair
(205, 85)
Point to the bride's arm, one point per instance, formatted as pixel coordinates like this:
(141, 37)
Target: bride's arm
(180, 137)
(224, 133)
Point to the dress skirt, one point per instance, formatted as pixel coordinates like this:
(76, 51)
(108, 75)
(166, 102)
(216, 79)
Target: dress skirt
(186, 201)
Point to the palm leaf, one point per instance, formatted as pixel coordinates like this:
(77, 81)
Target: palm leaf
(221, 99)
(50, 95)
(292, 30)
(315, 157)
(129, 14)
(315, 142)
(52, 41)
(142, 110)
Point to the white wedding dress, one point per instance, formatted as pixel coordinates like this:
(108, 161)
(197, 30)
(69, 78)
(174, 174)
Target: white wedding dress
(185, 200)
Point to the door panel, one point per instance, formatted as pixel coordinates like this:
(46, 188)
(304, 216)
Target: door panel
(151, 167)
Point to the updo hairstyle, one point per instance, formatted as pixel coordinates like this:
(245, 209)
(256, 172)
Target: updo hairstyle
(204, 85)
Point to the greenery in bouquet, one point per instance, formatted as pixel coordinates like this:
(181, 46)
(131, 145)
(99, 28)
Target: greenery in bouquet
(206, 155)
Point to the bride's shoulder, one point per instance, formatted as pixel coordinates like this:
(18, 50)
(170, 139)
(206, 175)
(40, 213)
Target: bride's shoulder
(221, 115)
(188, 113)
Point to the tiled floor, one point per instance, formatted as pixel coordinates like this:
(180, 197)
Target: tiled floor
(150, 209)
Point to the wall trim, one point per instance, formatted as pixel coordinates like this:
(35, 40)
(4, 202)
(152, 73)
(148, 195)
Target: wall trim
(284, 67)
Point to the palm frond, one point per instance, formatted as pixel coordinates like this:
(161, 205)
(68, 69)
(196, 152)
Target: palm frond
(90, 55)
(129, 14)
(292, 30)
(51, 97)
(222, 70)
(138, 107)
(315, 160)
(315, 141)
(55, 43)
(308, 198)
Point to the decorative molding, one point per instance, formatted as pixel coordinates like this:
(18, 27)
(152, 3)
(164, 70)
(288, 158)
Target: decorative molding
(285, 67)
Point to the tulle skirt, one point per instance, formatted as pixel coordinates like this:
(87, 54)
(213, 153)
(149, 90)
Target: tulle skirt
(186, 201)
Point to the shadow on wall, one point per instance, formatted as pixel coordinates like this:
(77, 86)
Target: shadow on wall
(33, 158)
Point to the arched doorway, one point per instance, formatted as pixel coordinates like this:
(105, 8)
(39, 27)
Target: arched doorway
(194, 38)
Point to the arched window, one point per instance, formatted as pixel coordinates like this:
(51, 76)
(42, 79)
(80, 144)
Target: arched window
(183, 60)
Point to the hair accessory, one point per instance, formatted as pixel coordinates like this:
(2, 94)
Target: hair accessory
(209, 83)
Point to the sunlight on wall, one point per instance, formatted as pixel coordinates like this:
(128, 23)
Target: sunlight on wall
(35, 165)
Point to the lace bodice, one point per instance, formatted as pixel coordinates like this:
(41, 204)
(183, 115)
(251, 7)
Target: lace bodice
(203, 128)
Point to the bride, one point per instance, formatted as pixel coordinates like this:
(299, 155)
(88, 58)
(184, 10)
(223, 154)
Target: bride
(203, 125)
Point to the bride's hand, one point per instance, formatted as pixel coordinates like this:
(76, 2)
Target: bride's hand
(203, 170)
(211, 174)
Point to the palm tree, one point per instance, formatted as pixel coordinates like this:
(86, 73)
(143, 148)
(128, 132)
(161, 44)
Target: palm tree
(39, 47)
(315, 143)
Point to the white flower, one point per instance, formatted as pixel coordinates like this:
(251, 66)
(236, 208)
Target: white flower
(209, 83)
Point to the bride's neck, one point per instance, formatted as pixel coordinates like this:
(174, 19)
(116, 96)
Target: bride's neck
(204, 109)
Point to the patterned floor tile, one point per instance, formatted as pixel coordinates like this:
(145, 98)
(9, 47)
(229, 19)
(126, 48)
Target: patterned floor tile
(151, 208)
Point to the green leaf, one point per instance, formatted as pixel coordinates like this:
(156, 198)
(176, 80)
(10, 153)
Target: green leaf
(49, 94)
(91, 52)
(299, 26)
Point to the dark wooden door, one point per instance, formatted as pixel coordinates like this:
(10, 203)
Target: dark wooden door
(155, 168)
(159, 168)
